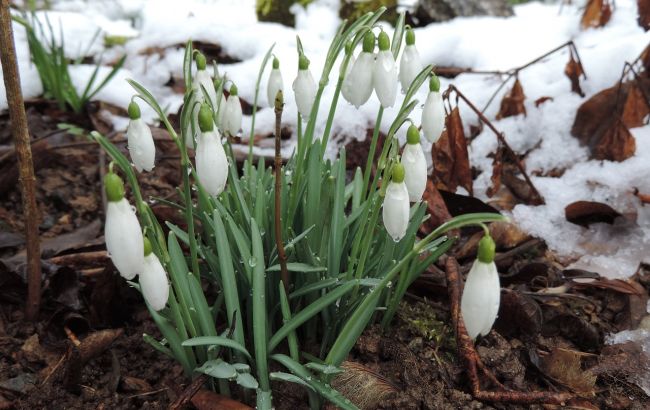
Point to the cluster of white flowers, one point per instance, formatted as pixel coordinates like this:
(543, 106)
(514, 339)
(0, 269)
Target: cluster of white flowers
(129, 250)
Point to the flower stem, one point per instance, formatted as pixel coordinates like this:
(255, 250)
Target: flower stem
(282, 256)
(371, 152)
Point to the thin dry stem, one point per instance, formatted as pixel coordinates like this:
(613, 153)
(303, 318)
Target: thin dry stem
(279, 105)
(20, 133)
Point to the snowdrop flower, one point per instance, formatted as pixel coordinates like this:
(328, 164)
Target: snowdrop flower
(396, 205)
(433, 112)
(275, 83)
(232, 113)
(203, 80)
(153, 279)
(415, 165)
(345, 91)
(358, 83)
(211, 161)
(304, 87)
(384, 73)
(410, 64)
(221, 108)
(140, 140)
(480, 302)
(122, 231)
(192, 127)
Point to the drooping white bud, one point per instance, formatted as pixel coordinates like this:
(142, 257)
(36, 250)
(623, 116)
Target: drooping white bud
(359, 82)
(395, 211)
(304, 88)
(211, 160)
(482, 293)
(123, 237)
(232, 113)
(275, 83)
(203, 80)
(415, 165)
(140, 141)
(192, 128)
(410, 66)
(347, 91)
(433, 112)
(153, 282)
(384, 73)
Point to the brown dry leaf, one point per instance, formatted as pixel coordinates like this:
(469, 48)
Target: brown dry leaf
(497, 171)
(513, 102)
(644, 14)
(209, 400)
(644, 198)
(563, 366)
(450, 158)
(584, 213)
(627, 287)
(636, 107)
(542, 100)
(616, 144)
(597, 13)
(574, 70)
(436, 208)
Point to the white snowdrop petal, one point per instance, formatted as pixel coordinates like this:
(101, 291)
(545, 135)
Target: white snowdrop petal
(395, 211)
(275, 84)
(481, 297)
(304, 88)
(433, 116)
(202, 80)
(410, 66)
(345, 89)
(358, 83)
(232, 115)
(192, 128)
(153, 282)
(211, 162)
(384, 78)
(415, 171)
(221, 113)
(123, 237)
(141, 145)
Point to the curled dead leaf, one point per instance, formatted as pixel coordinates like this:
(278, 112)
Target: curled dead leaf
(616, 144)
(597, 13)
(644, 14)
(574, 71)
(542, 100)
(450, 157)
(584, 213)
(513, 102)
(436, 209)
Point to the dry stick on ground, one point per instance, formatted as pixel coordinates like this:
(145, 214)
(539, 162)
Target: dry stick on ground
(537, 198)
(472, 360)
(24, 153)
(279, 104)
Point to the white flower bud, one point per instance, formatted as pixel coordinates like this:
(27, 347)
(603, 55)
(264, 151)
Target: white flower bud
(123, 237)
(141, 145)
(275, 83)
(232, 113)
(211, 162)
(481, 295)
(202, 79)
(221, 114)
(415, 169)
(410, 66)
(433, 112)
(192, 128)
(396, 205)
(358, 83)
(304, 88)
(346, 91)
(384, 78)
(153, 282)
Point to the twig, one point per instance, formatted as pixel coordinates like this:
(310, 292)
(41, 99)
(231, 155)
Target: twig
(20, 133)
(279, 105)
(473, 361)
(537, 198)
(189, 392)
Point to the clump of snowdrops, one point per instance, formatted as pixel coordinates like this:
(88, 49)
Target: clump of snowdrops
(345, 267)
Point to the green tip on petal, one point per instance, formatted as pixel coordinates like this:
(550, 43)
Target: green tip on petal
(134, 110)
(369, 42)
(398, 173)
(233, 90)
(434, 83)
(413, 135)
(279, 100)
(486, 249)
(205, 118)
(384, 41)
(114, 187)
(147, 246)
(303, 62)
(410, 37)
(276, 63)
(200, 61)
